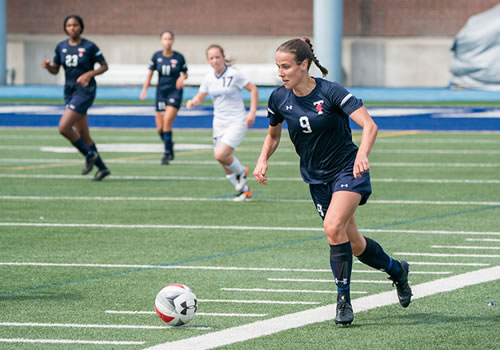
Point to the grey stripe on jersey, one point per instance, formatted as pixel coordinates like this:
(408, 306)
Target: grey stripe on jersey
(345, 99)
(269, 110)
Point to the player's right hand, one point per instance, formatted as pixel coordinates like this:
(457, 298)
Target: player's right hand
(260, 172)
(189, 104)
(45, 63)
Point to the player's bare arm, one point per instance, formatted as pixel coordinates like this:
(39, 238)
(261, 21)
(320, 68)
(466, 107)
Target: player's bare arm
(85, 78)
(368, 136)
(270, 145)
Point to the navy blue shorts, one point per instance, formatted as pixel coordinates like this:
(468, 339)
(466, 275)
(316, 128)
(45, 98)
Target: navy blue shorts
(168, 98)
(345, 181)
(78, 98)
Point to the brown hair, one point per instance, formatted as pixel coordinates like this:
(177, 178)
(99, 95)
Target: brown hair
(215, 46)
(169, 32)
(303, 50)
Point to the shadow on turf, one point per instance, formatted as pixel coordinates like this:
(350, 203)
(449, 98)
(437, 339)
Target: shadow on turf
(424, 318)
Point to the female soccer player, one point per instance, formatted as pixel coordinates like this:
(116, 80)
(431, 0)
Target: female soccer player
(78, 56)
(317, 113)
(172, 71)
(231, 121)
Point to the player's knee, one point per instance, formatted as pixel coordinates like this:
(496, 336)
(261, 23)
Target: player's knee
(334, 230)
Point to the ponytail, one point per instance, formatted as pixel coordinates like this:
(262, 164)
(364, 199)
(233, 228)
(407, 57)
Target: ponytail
(303, 50)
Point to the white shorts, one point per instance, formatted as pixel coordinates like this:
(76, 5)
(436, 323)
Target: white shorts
(229, 132)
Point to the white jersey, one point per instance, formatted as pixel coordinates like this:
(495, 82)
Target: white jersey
(225, 92)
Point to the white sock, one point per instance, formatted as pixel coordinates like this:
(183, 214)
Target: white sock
(232, 178)
(236, 166)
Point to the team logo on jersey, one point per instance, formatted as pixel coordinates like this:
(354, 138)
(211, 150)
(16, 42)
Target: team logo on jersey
(173, 63)
(64, 50)
(81, 51)
(159, 60)
(288, 107)
(319, 106)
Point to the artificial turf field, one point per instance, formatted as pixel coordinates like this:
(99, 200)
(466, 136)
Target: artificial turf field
(81, 262)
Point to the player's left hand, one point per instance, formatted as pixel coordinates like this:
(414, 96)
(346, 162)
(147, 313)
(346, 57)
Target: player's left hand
(250, 119)
(179, 83)
(84, 79)
(361, 165)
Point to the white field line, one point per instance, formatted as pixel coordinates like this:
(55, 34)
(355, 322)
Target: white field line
(325, 313)
(215, 314)
(436, 151)
(278, 302)
(194, 199)
(239, 228)
(324, 281)
(433, 263)
(264, 290)
(233, 268)
(107, 326)
(154, 147)
(436, 232)
(218, 178)
(448, 255)
(464, 247)
(219, 268)
(446, 141)
(19, 161)
(482, 240)
(406, 140)
(68, 341)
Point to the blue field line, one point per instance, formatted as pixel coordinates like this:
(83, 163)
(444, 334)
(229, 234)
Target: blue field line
(179, 262)
(387, 118)
(231, 253)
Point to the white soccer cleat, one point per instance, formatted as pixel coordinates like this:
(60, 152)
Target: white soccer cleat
(241, 180)
(243, 196)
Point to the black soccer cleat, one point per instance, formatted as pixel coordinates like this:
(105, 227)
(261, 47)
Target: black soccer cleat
(90, 160)
(402, 286)
(101, 174)
(165, 160)
(171, 154)
(344, 316)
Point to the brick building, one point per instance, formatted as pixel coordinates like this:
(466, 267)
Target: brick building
(383, 39)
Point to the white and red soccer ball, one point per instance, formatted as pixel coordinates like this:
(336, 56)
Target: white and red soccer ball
(176, 304)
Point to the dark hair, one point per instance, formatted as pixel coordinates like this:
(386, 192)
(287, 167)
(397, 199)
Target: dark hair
(303, 50)
(78, 19)
(169, 32)
(215, 46)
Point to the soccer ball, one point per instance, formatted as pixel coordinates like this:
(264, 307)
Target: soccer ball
(176, 304)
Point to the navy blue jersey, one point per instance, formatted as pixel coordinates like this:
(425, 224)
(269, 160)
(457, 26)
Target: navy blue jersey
(318, 125)
(169, 69)
(77, 59)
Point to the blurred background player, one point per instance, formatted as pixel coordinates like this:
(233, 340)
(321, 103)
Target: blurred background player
(231, 120)
(317, 113)
(172, 71)
(78, 56)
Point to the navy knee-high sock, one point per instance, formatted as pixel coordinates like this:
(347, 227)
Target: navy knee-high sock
(341, 264)
(161, 134)
(82, 146)
(374, 256)
(100, 164)
(167, 139)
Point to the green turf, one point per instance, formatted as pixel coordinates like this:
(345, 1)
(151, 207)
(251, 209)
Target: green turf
(193, 194)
